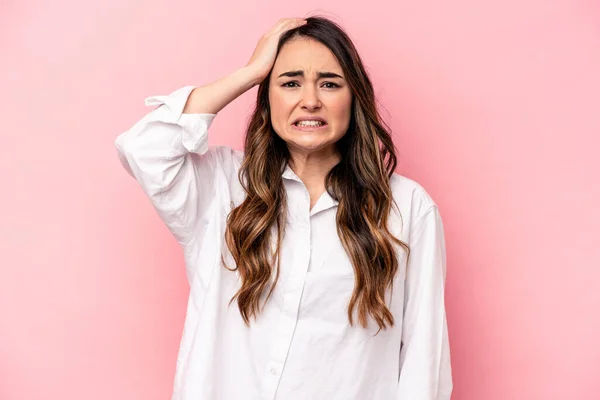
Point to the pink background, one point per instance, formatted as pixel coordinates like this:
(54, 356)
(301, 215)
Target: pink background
(495, 109)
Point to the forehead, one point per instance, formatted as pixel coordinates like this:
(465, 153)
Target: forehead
(308, 55)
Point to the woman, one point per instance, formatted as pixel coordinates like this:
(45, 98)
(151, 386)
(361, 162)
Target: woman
(315, 271)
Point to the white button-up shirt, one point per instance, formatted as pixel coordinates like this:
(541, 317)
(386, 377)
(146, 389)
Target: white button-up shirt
(302, 346)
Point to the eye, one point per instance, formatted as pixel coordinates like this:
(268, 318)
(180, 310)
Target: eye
(333, 85)
(286, 84)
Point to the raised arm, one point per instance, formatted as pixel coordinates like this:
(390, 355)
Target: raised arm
(167, 151)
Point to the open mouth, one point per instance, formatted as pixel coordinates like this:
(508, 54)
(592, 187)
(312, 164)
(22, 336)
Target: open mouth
(309, 125)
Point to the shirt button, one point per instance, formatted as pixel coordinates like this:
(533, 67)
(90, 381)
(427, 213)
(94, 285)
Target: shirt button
(273, 371)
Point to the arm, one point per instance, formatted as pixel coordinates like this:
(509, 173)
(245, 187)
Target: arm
(167, 152)
(213, 97)
(178, 126)
(425, 370)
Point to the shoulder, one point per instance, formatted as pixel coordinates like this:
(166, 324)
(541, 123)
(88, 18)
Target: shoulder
(226, 154)
(221, 163)
(413, 199)
(224, 158)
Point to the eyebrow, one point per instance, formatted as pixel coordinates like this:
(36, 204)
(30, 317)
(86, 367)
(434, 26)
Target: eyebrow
(319, 74)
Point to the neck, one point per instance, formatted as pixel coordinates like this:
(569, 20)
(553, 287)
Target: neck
(312, 168)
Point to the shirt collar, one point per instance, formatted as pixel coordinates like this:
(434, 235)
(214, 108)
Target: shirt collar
(289, 173)
(324, 202)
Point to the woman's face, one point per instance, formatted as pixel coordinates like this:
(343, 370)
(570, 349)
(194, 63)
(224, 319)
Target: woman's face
(307, 82)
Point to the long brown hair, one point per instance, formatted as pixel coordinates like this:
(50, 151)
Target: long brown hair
(359, 182)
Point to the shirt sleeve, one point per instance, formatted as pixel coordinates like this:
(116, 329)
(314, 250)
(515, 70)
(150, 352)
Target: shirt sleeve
(425, 370)
(167, 152)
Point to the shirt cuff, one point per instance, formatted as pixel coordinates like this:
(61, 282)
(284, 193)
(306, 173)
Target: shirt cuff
(195, 126)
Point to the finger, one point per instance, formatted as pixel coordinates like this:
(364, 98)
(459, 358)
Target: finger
(297, 21)
(278, 25)
(293, 23)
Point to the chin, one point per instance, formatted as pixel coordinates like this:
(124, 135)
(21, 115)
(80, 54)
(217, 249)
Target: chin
(308, 145)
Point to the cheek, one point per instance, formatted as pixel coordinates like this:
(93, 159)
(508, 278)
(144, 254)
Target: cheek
(340, 111)
(278, 110)
(274, 111)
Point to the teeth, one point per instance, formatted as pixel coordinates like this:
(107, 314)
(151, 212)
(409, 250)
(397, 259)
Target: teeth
(309, 123)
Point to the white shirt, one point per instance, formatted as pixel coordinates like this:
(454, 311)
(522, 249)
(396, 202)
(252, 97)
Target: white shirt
(302, 346)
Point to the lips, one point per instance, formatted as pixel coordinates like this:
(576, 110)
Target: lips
(310, 128)
(312, 118)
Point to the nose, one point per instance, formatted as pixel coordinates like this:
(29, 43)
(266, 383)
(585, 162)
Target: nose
(310, 98)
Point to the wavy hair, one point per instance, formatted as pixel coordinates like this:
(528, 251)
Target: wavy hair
(359, 182)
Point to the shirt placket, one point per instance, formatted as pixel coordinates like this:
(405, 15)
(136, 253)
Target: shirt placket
(292, 294)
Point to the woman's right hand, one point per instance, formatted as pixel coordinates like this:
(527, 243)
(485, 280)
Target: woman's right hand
(264, 55)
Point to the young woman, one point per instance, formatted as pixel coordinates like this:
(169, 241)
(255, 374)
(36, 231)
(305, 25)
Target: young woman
(315, 271)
